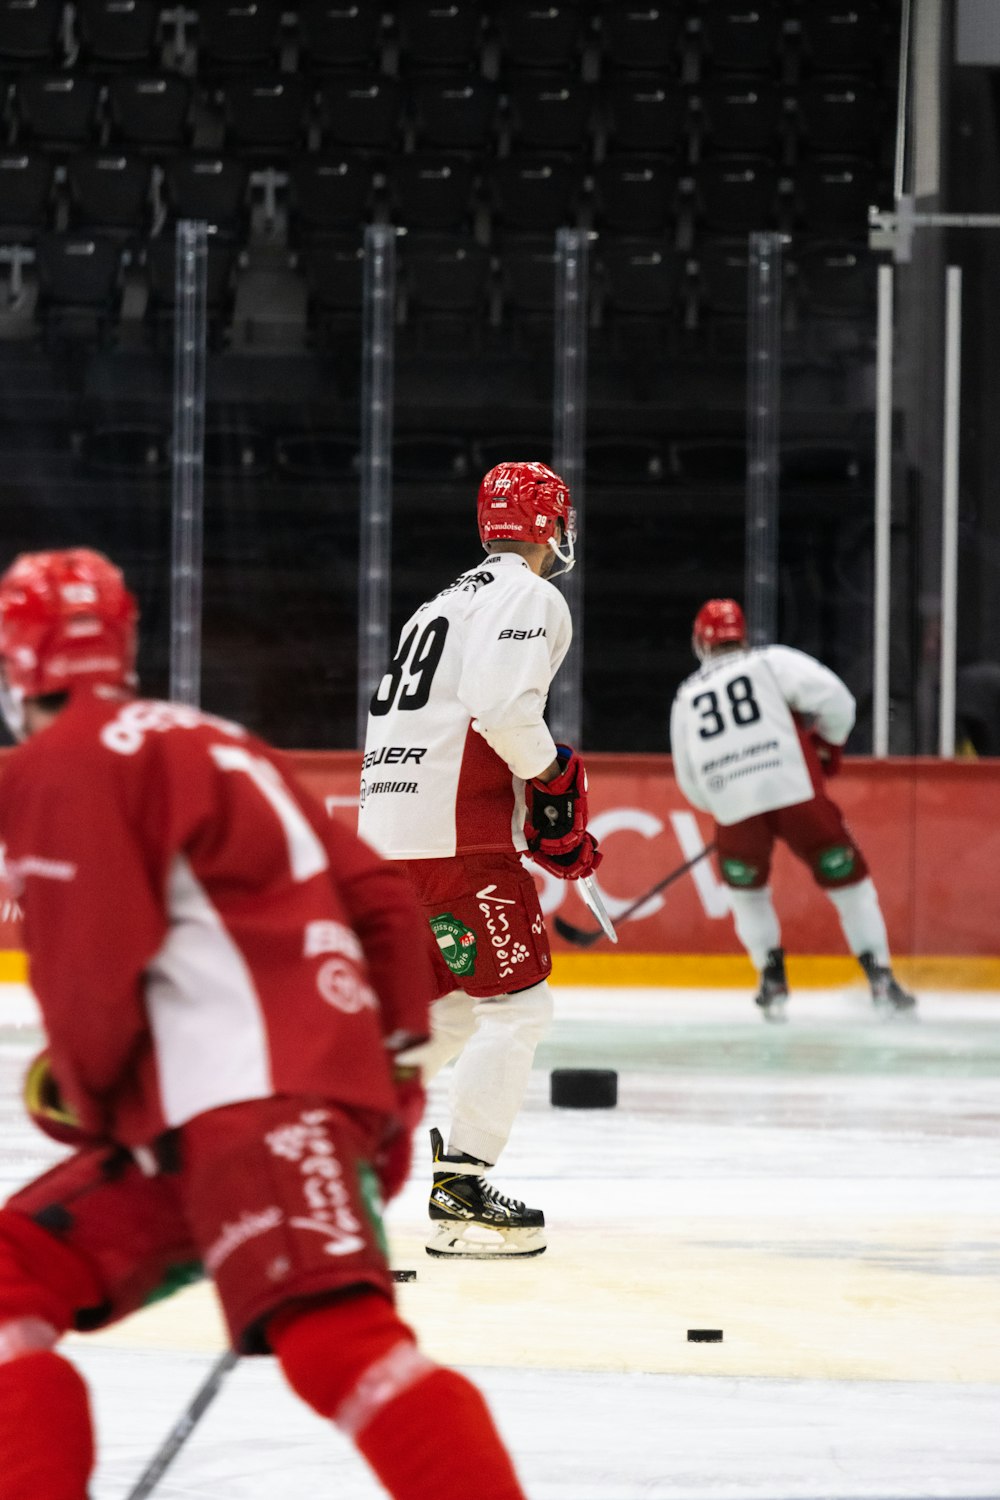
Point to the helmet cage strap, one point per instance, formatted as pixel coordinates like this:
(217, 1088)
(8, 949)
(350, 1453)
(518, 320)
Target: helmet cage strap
(566, 553)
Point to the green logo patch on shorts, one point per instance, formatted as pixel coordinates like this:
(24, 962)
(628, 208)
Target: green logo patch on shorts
(737, 872)
(457, 943)
(837, 863)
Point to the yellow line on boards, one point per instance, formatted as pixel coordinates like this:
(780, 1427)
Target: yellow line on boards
(715, 970)
(13, 967)
(730, 970)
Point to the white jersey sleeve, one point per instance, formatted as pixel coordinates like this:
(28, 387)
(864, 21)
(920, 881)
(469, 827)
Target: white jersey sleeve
(811, 690)
(516, 639)
(734, 740)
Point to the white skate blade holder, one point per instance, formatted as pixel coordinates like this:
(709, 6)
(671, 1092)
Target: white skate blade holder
(475, 1241)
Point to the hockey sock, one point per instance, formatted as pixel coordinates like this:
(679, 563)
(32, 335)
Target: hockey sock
(861, 919)
(355, 1362)
(46, 1437)
(756, 923)
(402, 1442)
(489, 1080)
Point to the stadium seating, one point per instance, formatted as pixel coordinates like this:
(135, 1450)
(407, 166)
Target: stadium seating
(431, 190)
(111, 192)
(118, 34)
(150, 111)
(432, 35)
(636, 37)
(30, 34)
(79, 285)
(26, 182)
(667, 132)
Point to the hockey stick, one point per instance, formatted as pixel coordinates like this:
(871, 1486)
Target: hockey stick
(583, 939)
(183, 1427)
(192, 1415)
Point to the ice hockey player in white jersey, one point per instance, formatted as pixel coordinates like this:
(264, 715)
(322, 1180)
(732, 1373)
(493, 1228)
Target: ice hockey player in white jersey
(460, 778)
(754, 736)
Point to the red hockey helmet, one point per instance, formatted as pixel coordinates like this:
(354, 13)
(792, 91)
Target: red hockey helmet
(719, 622)
(527, 502)
(65, 617)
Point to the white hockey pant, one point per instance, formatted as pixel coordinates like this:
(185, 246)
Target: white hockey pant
(494, 1041)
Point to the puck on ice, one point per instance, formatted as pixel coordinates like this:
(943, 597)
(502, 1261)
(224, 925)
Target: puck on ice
(584, 1088)
(404, 1275)
(704, 1335)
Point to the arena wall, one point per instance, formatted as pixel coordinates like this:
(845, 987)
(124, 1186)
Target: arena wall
(930, 831)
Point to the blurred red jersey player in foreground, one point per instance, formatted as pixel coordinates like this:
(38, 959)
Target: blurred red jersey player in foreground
(225, 978)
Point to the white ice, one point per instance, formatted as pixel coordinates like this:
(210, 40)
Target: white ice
(826, 1193)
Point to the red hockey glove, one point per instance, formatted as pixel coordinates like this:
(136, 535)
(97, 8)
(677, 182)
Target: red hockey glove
(555, 823)
(395, 1150)
(47, 1107)
(829, 756)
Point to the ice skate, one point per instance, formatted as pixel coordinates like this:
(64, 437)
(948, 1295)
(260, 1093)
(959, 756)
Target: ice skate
(888, 995)
(772, 997)
(471, 1218)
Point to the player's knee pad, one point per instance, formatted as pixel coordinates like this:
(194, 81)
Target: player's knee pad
(836, 866)
(743, 874)
(348, 1358)
(528, 1012)
(41, 1278)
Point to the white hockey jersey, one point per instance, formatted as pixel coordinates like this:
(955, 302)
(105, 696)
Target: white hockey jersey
(734, 740)
(475, 661)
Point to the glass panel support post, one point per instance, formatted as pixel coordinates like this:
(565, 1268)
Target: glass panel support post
(883, 515)
(188, 462)
(763, 423)
(377, 464)
(949, 510)
(375, 520)
(569, 411)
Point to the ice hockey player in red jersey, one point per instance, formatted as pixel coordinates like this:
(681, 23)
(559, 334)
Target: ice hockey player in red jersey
(226, 979)
(755, 734)
(461, 777)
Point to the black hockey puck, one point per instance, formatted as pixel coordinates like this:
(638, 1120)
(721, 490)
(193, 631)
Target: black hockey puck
(584, 1088)
(404, 1275)
(704, 1335)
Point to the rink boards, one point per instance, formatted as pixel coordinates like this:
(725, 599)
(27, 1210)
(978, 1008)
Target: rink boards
(929, 830)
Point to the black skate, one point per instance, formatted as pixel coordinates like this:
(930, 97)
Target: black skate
(772, 997)
(888, 995)
(471, 1218)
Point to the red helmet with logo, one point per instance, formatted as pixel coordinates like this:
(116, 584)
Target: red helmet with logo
(719, 622)
(65, 617)
(527, 502)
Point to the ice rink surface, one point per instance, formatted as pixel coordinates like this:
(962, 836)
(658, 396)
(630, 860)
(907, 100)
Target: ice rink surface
(827, 1193)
